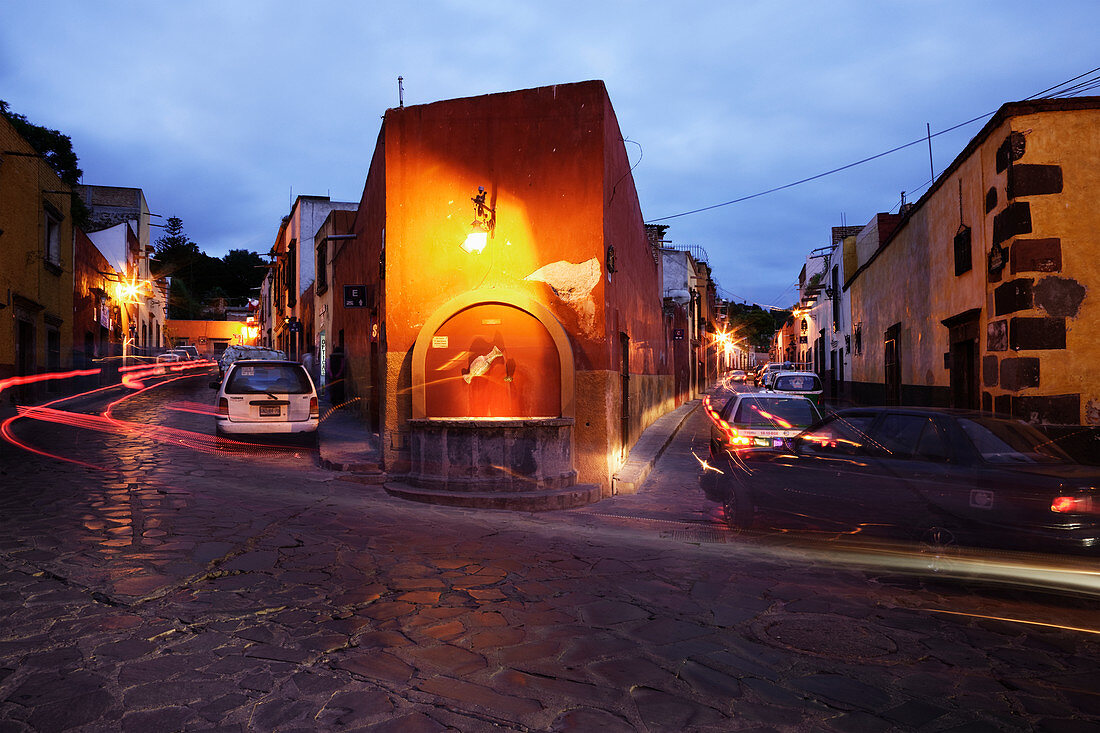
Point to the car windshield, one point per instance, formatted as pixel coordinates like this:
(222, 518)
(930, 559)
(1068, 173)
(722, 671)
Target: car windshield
(1007, 441)
(775, 412)
(268, 378)
(798, 382)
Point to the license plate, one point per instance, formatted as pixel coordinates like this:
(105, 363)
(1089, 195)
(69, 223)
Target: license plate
(270, 410)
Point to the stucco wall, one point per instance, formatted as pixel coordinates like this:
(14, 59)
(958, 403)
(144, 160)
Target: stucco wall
(1048, 371)
(34, 291)
(1024, 186)
(555, 172)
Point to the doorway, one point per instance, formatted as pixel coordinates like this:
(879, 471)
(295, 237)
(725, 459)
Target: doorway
(963, 331)
(892, 363)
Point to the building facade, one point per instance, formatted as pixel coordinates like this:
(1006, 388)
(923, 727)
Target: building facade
(36, 268)
(292, 273)
(119, 223)
(535, 349)
(983, 294)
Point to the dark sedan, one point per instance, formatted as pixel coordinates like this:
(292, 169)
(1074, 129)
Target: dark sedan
(929, 474)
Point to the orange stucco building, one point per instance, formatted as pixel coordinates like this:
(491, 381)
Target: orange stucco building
(531, 360)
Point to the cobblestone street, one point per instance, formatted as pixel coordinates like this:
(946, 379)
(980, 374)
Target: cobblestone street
(179, 590)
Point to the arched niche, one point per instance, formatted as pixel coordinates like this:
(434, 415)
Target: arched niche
(464, 329)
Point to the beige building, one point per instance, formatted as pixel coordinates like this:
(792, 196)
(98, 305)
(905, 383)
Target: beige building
(984, 294)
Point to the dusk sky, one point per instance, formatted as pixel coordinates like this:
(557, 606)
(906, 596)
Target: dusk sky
(223, 111)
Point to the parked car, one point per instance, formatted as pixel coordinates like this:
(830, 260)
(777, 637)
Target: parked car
(920, 473)
(771, 368)
(169, 357)
(191, 351)
(234, 352)
(806, 384)
(260, 396)
(754, 419)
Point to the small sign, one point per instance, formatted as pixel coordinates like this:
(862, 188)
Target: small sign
(439, 342)
(355, 296)
(997, 259)
(294, 327)
(677, 334)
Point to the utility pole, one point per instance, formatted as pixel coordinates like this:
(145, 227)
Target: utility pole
(931, 167)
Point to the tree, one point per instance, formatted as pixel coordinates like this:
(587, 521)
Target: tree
(56, 149)
(176, 256)
(198, 277)
(243, 273)
(755, 323)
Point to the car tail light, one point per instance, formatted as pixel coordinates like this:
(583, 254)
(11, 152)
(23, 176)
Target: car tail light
(1074, 505)
(732, 436)
(223, 407)
(314, 408)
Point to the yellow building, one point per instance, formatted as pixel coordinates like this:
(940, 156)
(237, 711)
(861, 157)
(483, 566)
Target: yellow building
(211, 338)
(985, 293)
(36, 267)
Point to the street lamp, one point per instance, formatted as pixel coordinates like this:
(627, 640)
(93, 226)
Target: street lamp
(483, 225)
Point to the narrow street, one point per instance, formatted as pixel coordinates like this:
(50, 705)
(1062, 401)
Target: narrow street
(178, 588)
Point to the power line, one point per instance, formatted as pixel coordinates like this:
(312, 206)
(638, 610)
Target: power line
(1067, 81)
(1085, 85)
(826, 173)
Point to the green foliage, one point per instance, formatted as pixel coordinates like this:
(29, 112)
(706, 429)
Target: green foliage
(198, 277)
(754, 323)
(56, 149)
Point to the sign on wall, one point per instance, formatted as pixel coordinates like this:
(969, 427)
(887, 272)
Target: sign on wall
(355, 296)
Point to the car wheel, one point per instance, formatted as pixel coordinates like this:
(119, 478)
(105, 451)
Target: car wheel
(738, 505)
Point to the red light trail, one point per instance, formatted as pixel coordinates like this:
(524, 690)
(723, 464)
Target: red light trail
(107, 423)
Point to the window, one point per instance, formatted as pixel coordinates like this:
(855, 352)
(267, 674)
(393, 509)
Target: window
(835, 297)
(841, 436)
(797, 383)
(274, 377)
(53, 236)
(771, 412)
(322, 267)
(1008, 441)
(911, 436)
(962, 251)
(292, 273)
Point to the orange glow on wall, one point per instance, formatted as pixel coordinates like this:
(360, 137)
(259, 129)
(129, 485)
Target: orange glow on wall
(492, 360)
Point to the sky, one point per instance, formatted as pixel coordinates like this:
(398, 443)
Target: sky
(224, 111)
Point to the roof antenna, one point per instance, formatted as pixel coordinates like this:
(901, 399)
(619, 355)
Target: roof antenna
(400, 91)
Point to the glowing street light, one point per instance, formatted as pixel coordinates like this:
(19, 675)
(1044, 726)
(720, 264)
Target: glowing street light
(481, 228)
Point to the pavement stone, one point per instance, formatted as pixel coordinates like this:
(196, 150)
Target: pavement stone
(295, 601)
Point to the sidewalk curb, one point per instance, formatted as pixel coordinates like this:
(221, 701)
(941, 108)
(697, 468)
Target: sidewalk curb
(650, 446)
